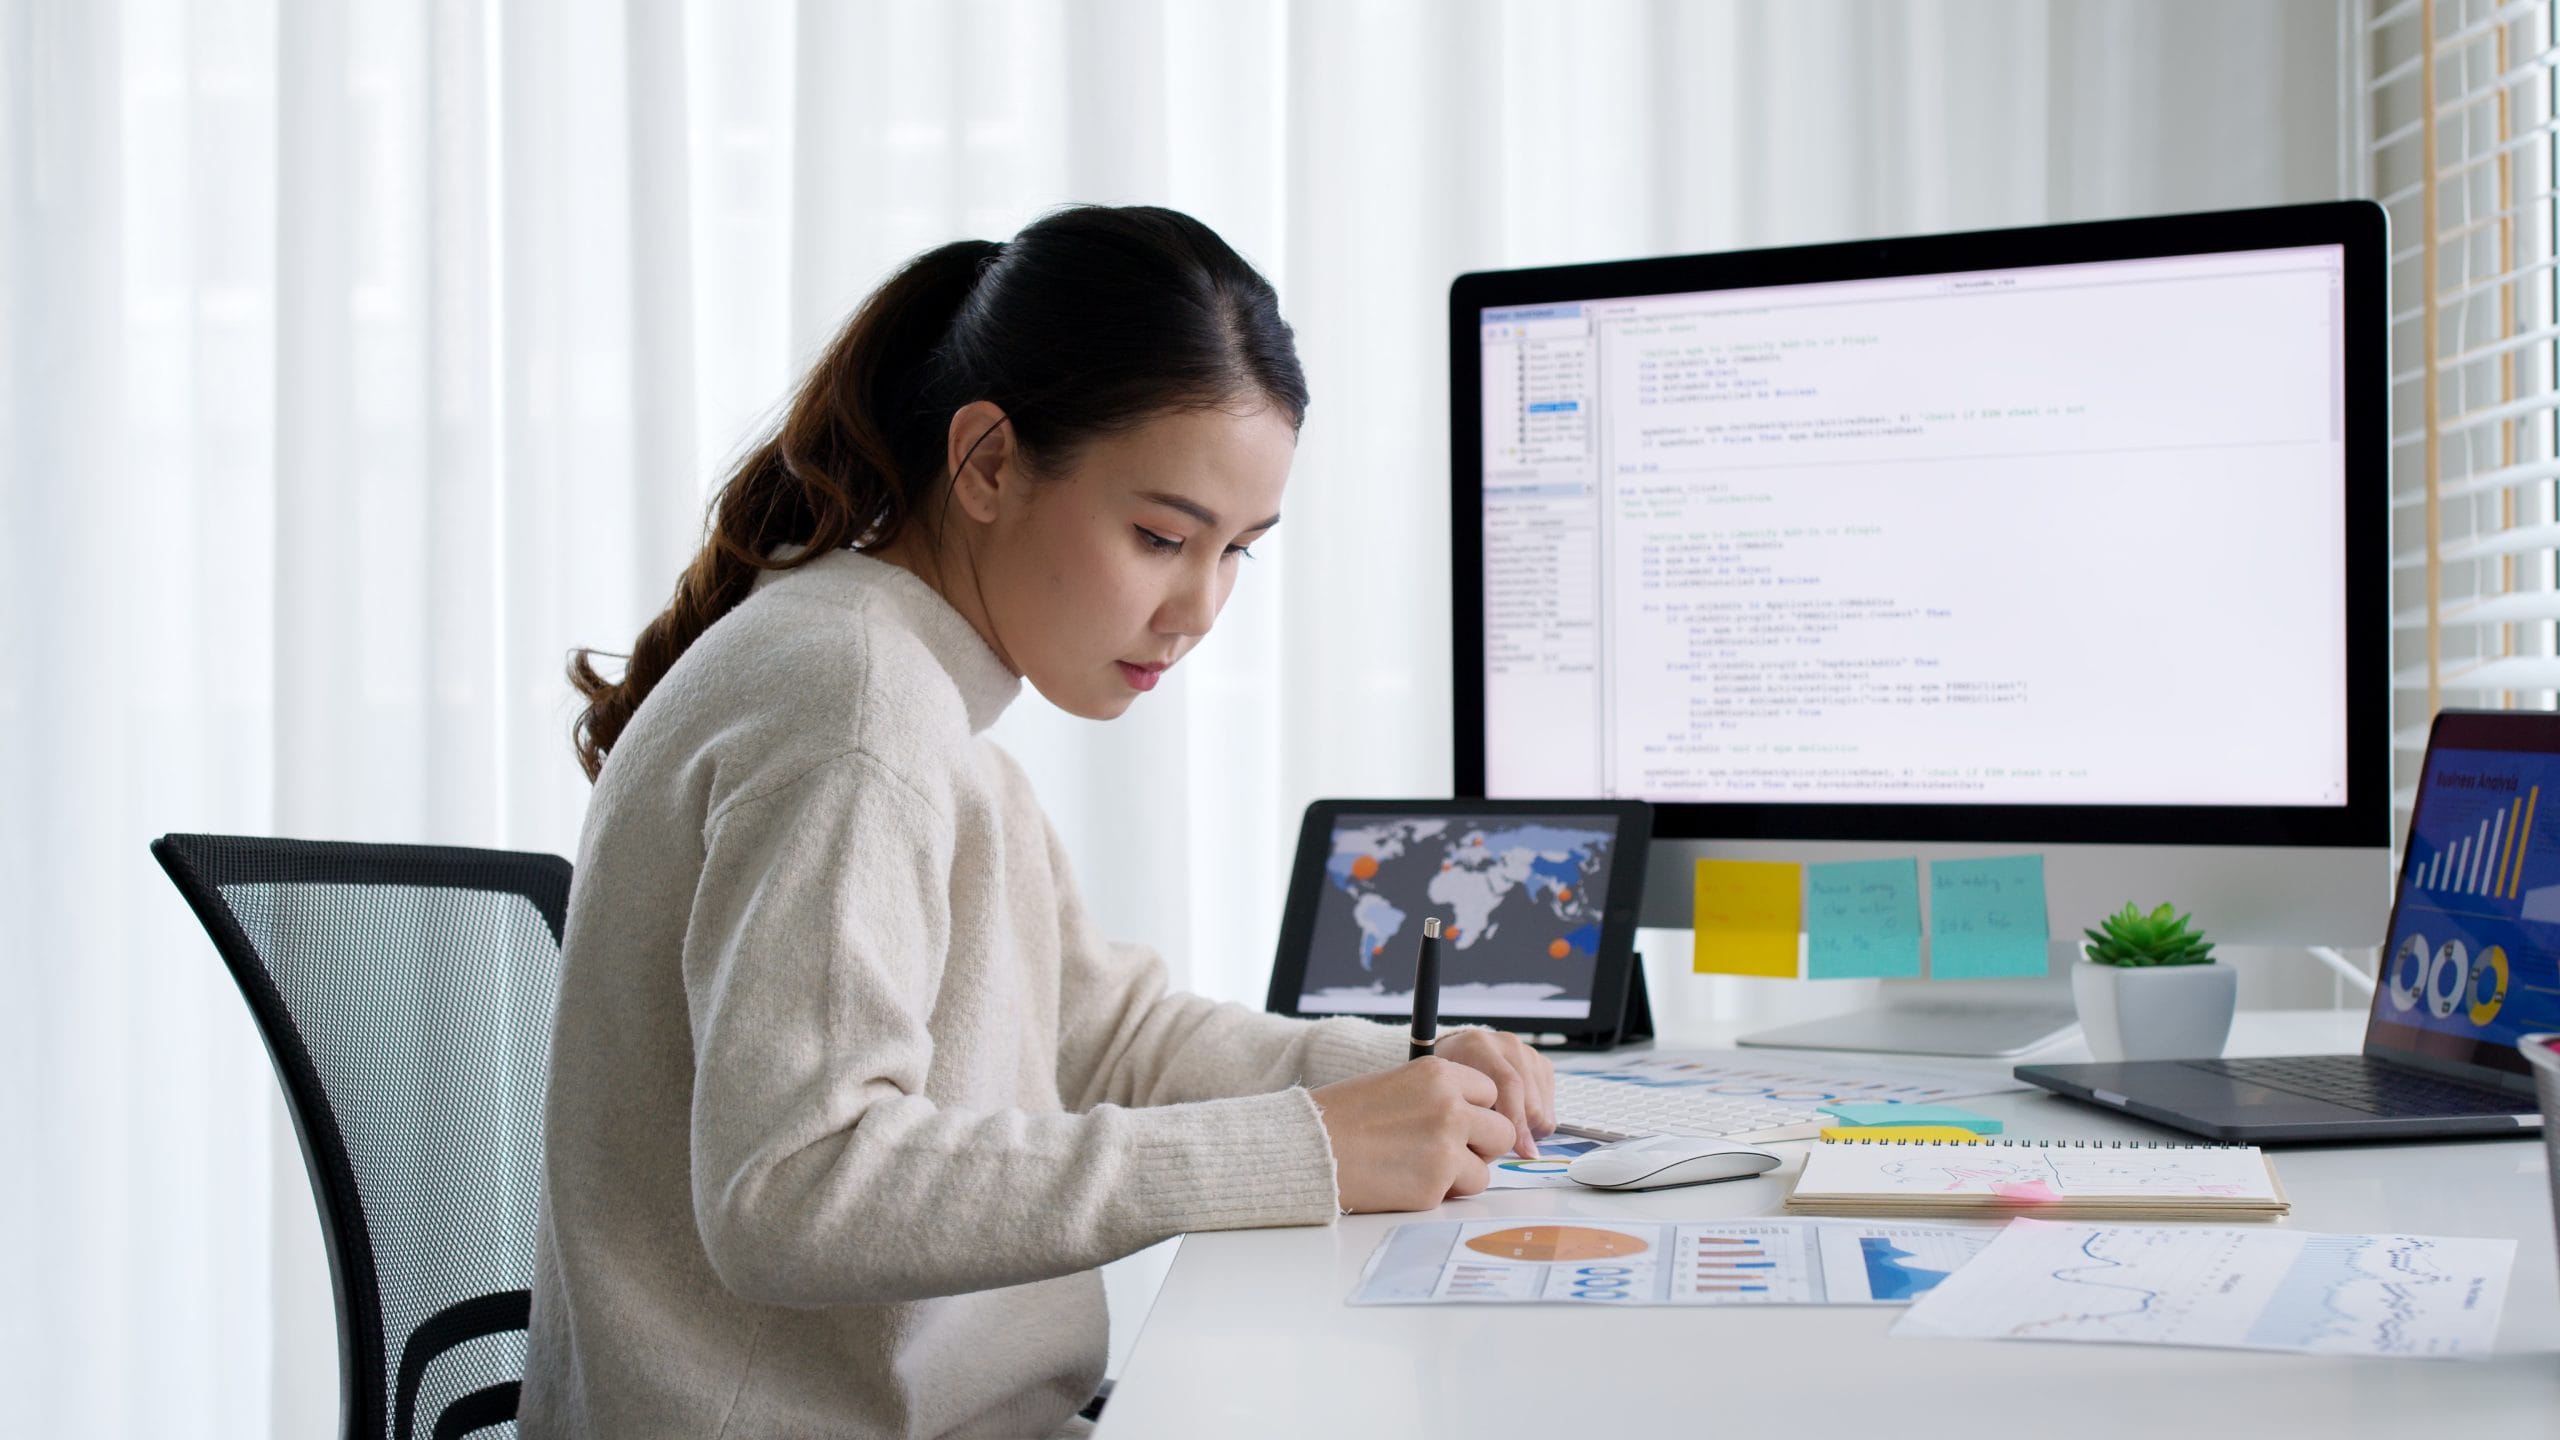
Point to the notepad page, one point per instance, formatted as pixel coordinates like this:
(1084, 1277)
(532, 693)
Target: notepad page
(2038, 1172)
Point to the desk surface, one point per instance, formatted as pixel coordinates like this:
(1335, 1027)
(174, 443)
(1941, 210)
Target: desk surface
(1250, 1335)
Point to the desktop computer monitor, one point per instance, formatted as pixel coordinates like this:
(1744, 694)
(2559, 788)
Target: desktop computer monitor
(2067, 539)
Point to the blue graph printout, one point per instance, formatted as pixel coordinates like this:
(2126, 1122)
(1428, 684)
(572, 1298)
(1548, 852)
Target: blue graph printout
(2475, 943)
(1584, 1261)
(1556, 1155)
(2415, 1296)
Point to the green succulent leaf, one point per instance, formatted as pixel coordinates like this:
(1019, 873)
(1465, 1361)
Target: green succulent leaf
(2133, 937)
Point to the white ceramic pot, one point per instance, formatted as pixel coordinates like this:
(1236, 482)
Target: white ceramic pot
(2154, 1012)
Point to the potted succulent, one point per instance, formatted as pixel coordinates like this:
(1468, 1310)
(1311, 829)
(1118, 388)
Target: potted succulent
(2147, 989)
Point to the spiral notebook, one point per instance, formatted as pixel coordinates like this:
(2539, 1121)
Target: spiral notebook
(2127, 1179)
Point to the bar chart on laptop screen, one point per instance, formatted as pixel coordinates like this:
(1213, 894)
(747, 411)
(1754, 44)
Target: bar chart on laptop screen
(2473, 952)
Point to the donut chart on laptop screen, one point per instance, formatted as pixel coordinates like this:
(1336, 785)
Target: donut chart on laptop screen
(2475, 936)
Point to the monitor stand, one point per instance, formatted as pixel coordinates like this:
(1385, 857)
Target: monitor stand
(1992, 1018)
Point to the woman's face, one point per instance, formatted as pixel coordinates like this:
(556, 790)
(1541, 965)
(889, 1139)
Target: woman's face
(1091, 582)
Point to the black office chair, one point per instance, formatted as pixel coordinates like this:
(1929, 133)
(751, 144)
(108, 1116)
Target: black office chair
(405, 993)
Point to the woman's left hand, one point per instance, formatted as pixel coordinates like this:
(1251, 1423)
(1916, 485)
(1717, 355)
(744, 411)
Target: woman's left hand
(1525, 1081)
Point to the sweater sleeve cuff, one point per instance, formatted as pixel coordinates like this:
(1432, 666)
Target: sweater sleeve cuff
(1233, 1165)
(1345, 1046)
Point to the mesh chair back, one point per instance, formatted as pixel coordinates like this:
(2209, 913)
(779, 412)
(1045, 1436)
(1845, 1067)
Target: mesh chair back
(405, 993)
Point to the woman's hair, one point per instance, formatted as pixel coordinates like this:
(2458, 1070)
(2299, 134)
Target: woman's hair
(1090, 321)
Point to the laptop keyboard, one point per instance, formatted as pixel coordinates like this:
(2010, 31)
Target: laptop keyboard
(1599, 1109)
(2360, 1084)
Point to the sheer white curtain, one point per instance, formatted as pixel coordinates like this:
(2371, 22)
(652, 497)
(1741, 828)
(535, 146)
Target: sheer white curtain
(363, 358)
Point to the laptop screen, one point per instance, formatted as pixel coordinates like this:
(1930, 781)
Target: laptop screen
(2474, 956)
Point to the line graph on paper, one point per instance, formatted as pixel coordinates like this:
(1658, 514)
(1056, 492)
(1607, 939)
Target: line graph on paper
(2390, 1295)
(1975, 1170)
(2379, 1287)
(2124, 1281)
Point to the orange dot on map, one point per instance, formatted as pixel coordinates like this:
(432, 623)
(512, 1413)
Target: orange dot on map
(1377, 950)
(1453, 934)
(1365, 868)
(1564, 892)
(1557, 949)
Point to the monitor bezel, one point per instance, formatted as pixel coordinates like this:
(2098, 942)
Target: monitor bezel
(2514, 732)
(2359, 227)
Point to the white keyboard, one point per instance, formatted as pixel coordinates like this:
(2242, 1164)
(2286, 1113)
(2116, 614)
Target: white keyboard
(1615, 1110)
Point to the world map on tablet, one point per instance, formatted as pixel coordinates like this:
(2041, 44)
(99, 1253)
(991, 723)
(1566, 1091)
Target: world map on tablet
(1519, 900)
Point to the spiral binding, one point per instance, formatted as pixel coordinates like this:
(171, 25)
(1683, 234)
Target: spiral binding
(2043, 1144)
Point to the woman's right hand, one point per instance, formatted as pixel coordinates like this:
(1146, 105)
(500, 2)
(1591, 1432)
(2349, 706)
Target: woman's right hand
(1411, 1137)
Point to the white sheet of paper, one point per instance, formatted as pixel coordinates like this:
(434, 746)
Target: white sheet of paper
(2254, 1289)
(1793, 1079)
(1520, 1260)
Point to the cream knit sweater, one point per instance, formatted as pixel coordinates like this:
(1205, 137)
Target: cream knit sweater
(848, 1096)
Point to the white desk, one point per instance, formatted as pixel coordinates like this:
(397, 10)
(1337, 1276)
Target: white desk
(1250, 1335)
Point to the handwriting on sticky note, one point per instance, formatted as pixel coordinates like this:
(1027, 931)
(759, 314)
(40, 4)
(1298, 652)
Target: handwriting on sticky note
(1748, 914)
(1986, 918)
(1862, 919)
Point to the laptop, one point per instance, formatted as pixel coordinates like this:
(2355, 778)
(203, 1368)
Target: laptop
(2473, 962)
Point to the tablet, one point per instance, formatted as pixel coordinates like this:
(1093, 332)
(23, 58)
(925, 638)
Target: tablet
(1537, 901)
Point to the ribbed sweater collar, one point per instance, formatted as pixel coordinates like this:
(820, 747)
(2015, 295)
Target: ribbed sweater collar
(986, 687)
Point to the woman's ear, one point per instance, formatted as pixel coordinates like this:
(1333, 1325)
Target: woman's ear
(979, 450)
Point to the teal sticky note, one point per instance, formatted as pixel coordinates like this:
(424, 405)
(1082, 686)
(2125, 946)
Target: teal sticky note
(1887, 1113)
(1862, 919)
(1986, 918)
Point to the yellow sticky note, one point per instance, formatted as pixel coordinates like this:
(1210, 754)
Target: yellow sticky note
(1748, 914)
(1944, 1134)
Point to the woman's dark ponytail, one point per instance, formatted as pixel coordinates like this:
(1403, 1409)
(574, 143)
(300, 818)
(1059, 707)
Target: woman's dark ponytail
(829, 477)
(1091, 320)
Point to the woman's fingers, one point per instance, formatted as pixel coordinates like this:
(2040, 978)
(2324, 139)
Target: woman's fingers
(1541, 1074)
(1510, 1065)
(1490, 1134)
(1511, 1101)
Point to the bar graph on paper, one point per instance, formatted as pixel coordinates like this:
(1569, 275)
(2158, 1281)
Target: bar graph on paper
(2489, 861)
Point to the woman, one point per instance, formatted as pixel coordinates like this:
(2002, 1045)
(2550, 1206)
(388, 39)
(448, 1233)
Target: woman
(848, 1095)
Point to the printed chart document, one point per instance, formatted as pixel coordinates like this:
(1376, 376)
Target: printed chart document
(1512, 1260)
(1556, 1154)
(2411, 1295)
(1790, 1081)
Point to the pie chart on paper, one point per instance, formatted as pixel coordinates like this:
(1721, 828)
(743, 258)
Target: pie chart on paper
(1545, 1243)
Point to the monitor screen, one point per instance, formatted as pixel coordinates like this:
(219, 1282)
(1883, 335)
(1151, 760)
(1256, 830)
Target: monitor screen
(2474, 958)
(2064, 534)
(1975, 536)
(1523, 897)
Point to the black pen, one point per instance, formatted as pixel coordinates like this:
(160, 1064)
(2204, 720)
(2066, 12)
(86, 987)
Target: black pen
(1426, 990)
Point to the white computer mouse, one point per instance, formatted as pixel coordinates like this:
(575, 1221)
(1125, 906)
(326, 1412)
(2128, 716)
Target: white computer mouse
(1659, 1160)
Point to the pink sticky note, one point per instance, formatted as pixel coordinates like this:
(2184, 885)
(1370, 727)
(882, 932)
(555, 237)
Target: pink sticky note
(2027, 1192)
